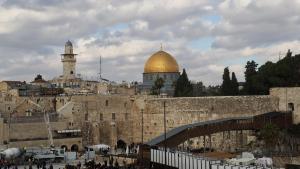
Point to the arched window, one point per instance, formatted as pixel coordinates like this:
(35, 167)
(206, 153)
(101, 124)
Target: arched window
(113, 116)
(290, 106)
(101, 117)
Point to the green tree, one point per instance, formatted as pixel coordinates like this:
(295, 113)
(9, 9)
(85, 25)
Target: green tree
(158, 84)
(250, 78)
(199, 89)
(213, 90)
(270, 135)
(226, 85)
(183, 87)
(234, 85)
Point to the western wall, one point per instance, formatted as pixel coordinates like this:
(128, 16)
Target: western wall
(109, 118)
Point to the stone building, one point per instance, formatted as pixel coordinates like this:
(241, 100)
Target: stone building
(110, 118)
(160, 65)
(289, 100)
(39, 81)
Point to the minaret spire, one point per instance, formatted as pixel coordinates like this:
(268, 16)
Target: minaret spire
(161, 46)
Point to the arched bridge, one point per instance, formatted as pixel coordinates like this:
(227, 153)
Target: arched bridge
(180, 134)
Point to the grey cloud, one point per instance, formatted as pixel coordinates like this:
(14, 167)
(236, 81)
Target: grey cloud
(43, 35)
(257, 24)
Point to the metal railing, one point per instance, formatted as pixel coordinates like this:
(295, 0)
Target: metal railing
(183, 160)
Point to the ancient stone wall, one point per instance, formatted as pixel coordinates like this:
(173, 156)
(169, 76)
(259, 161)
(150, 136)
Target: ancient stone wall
(109, 118)
(181, 111)
(23, 131)
(68, 142)
(3, 131)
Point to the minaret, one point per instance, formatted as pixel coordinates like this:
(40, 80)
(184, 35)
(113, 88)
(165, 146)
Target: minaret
(69, 61)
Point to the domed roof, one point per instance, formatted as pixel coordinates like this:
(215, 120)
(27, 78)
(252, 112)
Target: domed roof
(68, 43)
(161, 62)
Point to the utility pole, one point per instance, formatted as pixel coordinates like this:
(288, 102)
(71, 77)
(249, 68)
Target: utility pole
(165, 132)
(142, 111)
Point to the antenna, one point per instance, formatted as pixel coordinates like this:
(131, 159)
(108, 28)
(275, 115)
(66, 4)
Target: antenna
(100, 69)
(279, 55)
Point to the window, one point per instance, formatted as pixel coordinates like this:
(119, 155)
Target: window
(71, 72)
(125, 104)
(291, 107)
(101, 117)
(113, 116)
(106, 102)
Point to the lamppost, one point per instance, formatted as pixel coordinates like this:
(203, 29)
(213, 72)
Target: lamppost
(142, 154)
(165, 133)
(142, 111)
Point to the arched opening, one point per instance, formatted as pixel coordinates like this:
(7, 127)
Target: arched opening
(64, 147)
(74, 148)
(121, 144)
(71, 72)
(290, 106)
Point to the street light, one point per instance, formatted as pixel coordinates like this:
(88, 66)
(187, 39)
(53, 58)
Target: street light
(165, 133)
(142, 111)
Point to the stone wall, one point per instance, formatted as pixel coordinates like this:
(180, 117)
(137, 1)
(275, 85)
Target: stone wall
(57, 142)
(111, 117)
(3, 131)
(181, 111)
(23, 131)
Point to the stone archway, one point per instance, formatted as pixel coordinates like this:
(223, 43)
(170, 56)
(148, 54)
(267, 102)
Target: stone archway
(74, 148)
(121, 144)
(64, 147)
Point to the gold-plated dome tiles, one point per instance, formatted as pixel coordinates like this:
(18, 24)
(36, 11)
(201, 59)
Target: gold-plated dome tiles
(161, 62)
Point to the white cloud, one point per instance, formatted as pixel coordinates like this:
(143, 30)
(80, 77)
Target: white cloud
(126, 33)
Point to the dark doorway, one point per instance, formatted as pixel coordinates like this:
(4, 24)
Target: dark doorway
(121, 144)
(74, 148)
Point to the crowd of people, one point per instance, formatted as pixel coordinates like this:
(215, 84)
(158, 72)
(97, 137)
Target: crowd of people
(111, 164)
(5, 164)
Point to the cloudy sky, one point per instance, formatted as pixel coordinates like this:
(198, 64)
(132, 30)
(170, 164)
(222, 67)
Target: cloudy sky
(203, 35)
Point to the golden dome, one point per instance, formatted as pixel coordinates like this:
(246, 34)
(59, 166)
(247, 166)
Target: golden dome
(161, 62)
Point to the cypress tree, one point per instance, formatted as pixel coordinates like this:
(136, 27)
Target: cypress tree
(183, 87)
(226, 85)
(234, 85)
(250, 78)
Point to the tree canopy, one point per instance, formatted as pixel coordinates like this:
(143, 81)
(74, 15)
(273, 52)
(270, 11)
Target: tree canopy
(183, 86)
(158, 84)
(284, 73)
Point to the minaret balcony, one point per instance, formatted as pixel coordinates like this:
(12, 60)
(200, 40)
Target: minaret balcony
(68, 60)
